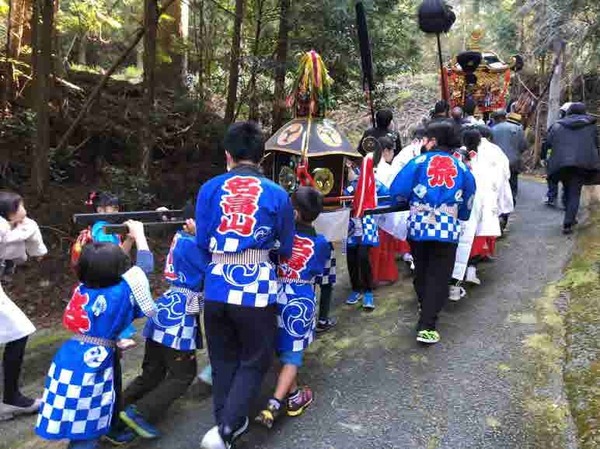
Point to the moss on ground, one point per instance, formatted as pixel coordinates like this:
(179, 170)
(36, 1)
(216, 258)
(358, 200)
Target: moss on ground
(582, 320)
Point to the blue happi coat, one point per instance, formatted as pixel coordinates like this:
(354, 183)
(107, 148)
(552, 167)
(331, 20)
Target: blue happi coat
(368, 233)
(79, 393)
(296, 301)
(175, 324)
(440, 190)
(236, 212)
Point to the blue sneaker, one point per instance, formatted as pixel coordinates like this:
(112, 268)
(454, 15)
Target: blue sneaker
(138, 424)
(120, 437)
(369, 301)
(353, 298)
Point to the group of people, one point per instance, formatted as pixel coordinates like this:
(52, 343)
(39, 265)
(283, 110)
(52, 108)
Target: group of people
(458, 188)
(248, 260)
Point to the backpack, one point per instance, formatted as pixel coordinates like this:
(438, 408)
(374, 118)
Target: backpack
(83, 239)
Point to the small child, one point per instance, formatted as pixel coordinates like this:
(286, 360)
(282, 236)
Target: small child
(82, 389)
(19, 237)
(363, 234)
(297, 306)
(22, 239)
(107, 203)
(172, 337)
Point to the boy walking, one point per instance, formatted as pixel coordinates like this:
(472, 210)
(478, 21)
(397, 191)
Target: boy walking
(297, 307)
(172, 338)
(240, 216)
(440, 190)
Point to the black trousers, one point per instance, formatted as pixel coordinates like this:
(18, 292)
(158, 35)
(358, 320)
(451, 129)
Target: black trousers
(325, 301)
(573, 182)
(434, 262)
(166, 375)
(241, 343)
(514, 184)
(359, 268)
(12, 362)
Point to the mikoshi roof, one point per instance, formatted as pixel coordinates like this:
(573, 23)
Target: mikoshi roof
(311, 137)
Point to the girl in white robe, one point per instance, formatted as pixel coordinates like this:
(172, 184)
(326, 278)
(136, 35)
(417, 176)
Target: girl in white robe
(479, 234)
(19, 237)
(396, 223)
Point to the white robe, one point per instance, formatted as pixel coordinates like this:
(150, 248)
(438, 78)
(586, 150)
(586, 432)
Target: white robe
(396, 223)
(490, 177)
(505, 199)
(14, 324)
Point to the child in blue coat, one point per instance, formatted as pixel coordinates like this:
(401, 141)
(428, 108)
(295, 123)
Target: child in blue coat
(363, 234)
(440, 190)
(82, 388)
(297, 308)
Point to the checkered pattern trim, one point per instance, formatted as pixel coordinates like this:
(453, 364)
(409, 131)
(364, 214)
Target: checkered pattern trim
(433, 226)
(370, 233)
(76, 405)
(181, 338)
(243, 285)
(140, 289)
(329, 276)
(296, 317)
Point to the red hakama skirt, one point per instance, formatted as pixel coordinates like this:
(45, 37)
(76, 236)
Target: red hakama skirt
(383, 259)
(483, 247)
(402, 247)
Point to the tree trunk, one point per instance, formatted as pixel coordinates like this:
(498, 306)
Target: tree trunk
(81, 50)
(151, 25)
(18, 33)
(554, 95)
(139, 57)
(7, 82)
(170, 68)
(20, 26)
(234, 68)
(253, 113)
(185, 37)
(43, 56)
(280, 67)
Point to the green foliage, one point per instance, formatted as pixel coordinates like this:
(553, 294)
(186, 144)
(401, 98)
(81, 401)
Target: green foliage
(131, 74)
(87, 17)
(133, 190)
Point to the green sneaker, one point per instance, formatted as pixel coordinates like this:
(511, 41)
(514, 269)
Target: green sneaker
(428, 337)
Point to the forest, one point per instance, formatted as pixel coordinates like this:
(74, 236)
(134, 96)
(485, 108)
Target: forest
(133, 95)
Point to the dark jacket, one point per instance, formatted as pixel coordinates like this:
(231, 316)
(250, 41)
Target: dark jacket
(573, 143)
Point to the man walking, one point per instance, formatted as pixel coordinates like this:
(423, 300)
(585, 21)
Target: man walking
(511, 138)
(573, 157)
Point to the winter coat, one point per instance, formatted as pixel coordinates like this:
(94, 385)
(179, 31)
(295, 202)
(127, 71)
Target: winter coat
(511, 138)
(573, 143)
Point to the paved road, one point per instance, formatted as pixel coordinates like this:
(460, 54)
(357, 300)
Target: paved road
(376, 388)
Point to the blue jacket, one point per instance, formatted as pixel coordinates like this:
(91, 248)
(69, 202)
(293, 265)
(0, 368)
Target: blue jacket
(173, 326)
(239, 211)
(368, 235)
(296, 301)
(440, 190)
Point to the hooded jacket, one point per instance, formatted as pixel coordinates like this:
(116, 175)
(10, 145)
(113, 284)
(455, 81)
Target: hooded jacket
(573, 143)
